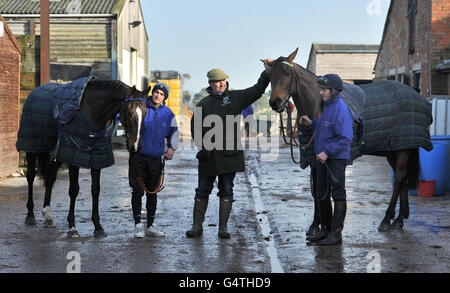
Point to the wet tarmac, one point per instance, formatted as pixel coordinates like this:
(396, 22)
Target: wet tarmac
(272, 210)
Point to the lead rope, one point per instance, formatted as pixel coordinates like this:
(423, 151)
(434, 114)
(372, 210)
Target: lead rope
(160, 184)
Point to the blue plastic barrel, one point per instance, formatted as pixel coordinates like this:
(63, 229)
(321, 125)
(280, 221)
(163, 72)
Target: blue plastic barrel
(445, 139)
(433, 165)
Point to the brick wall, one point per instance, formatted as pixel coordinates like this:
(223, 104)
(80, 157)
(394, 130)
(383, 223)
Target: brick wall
(9, 101)
(394, 56)
(440, 32)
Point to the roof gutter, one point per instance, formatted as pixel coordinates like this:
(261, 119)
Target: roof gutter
(60, 15)
(348, 51)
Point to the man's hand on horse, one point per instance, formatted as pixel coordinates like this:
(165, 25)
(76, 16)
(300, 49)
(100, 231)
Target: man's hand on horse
(168, 154)
(304, 120)
(267, 64)
(322, 157)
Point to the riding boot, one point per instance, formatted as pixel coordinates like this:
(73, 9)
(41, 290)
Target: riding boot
(314, 228)
(200, 206)
(325, 221)
(335, 236)
(226, 202)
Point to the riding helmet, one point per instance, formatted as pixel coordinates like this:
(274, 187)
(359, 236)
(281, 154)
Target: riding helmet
(332, 81)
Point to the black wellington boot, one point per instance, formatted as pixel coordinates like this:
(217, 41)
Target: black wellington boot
(314, 228)
(226, 202)
(325, 221)
(200, 206)
(335, 236)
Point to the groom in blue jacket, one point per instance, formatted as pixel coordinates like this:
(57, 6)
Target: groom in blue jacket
(333, 137)
(159, 126)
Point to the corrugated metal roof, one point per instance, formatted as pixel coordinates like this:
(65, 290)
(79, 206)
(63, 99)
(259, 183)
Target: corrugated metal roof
(59, 6)
(345, 48)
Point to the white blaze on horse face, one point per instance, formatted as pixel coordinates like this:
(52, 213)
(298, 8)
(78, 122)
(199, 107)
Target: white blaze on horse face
(139, 114)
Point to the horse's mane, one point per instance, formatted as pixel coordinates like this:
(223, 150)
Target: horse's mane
(115, 88)
(306, 70)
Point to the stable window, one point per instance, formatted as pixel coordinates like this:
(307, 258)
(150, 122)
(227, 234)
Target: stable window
(412, 11)
(403, 78)
(416, 81)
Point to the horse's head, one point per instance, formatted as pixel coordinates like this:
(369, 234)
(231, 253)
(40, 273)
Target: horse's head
(132, 117)
(281, 74)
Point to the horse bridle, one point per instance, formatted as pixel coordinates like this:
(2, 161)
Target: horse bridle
(138, 178)
(285, 101)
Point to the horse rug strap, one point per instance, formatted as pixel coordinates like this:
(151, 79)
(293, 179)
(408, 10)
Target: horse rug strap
(67, 99)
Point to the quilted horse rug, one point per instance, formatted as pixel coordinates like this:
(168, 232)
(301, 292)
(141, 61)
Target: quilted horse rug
(387, 116)
(52, 120)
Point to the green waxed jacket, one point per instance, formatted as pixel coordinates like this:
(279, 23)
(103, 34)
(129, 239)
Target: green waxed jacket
(217, 158)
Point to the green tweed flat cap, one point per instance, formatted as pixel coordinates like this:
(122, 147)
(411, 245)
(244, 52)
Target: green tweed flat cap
(216, 74)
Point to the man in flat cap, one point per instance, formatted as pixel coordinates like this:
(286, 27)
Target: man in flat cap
(221, 160)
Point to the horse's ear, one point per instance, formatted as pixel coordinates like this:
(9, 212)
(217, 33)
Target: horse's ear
(147, 91)
(267, 65)
(292, 56)
(133, 91)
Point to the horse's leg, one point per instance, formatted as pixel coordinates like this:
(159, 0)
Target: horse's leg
(50, 176)
(95, 190)
(314, 228)
(74, 188)
(402, 163)
(31, 173)
(390, 212)
(398, 161)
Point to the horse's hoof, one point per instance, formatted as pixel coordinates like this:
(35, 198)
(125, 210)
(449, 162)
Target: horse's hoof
(397, 225)
(73, 233)
(384, 227)
(30, 220)
(99, 233)
(49, 224)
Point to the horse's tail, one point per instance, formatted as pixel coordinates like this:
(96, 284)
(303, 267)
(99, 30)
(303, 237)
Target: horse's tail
(413, 169)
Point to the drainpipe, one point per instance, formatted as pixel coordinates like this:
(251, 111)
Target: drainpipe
(45, 41)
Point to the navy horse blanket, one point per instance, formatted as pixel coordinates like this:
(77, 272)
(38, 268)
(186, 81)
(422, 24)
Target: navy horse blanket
(52, 121)
(387, 116)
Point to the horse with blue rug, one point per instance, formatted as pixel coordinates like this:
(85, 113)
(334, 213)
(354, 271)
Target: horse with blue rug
(390, 119)
(76, 122)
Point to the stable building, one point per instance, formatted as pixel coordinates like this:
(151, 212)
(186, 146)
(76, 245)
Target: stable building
(415, 47)
(105, 38)
(10, 51)
(352, 62)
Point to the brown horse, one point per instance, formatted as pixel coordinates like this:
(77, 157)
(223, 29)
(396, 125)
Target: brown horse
(100, 102)
(289, 79)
